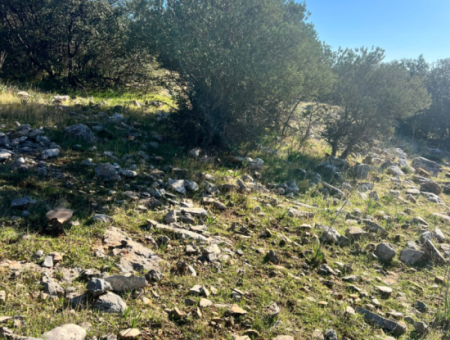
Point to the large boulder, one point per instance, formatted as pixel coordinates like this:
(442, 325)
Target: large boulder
(426, 164)
(81, 132)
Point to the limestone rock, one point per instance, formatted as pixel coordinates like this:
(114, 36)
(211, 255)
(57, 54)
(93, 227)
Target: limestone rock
(66, 332)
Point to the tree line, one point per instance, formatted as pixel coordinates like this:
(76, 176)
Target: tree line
(242, 68)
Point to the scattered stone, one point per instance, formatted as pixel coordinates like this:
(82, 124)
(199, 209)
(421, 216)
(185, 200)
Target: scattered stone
(420, 327)
(385, 251)
(98, 287)
(130, 333)
(48, 262)
(22, 202)
(61, 216)
(81, 132)
(432, 253)
(50, 153)
(66, 332)
(110, 303)
(102, 218)
(106, 172)
(411, 256)
(396, 328)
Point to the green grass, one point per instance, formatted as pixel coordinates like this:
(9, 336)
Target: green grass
(296, 290)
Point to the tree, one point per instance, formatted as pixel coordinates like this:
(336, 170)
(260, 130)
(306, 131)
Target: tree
(69, 42)
(369, 96)
(242, 64)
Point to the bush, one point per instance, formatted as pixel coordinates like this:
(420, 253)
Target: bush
(242, 63)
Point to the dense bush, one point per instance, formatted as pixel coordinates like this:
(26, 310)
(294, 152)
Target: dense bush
(243, 63)
(70, 42)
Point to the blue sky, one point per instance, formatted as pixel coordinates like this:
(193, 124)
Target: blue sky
(404, 28)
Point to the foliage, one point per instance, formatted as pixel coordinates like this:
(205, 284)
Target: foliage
(370, 96)
(71, 42)
(242, 63)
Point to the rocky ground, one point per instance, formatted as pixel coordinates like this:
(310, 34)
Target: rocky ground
(110, 230)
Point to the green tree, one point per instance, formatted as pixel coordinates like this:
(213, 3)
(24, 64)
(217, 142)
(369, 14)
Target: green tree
(242, 64)
(369, 97)
(68, 42)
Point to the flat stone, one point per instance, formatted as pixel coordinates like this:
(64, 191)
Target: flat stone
(137, 257)
(48, 262)
(122, 283)
(59, 215)
(204, 303)
(396, 328)
(355, 233)
(384, 291)
(102, 218)
(66, 332)
(130, 333)
(236, 310)
(22, 202)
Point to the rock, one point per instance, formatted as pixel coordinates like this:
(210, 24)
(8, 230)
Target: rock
(431, 186)
(48, 262)
(362, 171)
(384, 291)
(110, 303)
(106, 172)
(271, 256)
(385, 251)
(98, 287)
(50, 153)
(81, 132)
(204, 303)
(442, 217)
(283, 337)
(396, 328)
(433, 198)
(411, 256)
(374, 196)
(431, 252)
(330, 235)
(136, 258)
(122, 283)
(420, 327)
(426, 164)
(61, 216)
(395, 171)
(130, 333)
(23, 202)
(51, 287)
(171, 217)
(195, 152)
(439, 235)
(177, 185)
(101, 218)
(66, 332)
(236, 310)
(355, 233)
(191, 185)
(272, 309)
(330, 334)
(374, 227)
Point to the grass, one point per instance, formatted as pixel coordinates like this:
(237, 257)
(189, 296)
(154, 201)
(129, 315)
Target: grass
(295, 288)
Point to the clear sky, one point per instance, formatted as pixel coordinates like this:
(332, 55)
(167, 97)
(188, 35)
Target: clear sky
(403, 28)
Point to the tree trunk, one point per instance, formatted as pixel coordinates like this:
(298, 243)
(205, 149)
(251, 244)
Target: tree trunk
(334, 149)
